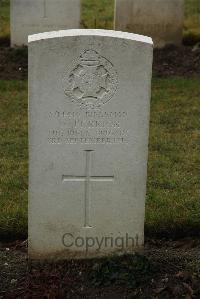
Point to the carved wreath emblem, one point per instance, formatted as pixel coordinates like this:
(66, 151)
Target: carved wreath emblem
(92, 82)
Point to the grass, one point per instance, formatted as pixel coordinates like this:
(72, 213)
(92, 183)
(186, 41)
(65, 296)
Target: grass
(13, 158)
(100, 14)
(192, 21)
(173, 182)
(97, 14)
(4, 18)
(172, 205)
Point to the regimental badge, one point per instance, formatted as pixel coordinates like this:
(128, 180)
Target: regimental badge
(92, 82)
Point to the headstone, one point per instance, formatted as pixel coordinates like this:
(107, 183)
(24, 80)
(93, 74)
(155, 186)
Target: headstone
(160, 19)
(88, 142)
(35, 16)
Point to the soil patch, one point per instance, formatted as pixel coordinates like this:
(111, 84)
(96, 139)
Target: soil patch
(183, 61)
(13, 63)
(179, 61)
(168, 269)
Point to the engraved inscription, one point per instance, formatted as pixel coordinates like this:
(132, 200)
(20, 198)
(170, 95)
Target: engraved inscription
(87, 178)
(88, 127)
(92, 81)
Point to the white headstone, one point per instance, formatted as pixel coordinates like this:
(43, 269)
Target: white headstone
(89, 102)
(35, 16)
(160, 19)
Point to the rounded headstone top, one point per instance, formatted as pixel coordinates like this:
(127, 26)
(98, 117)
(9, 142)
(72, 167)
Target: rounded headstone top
(88, 32)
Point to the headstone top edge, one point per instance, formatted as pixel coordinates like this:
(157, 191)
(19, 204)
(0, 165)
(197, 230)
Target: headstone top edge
(88, 32)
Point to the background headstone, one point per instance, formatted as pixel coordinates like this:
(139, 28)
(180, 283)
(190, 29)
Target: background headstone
(160, 19)
(89, 103)
(35, 16)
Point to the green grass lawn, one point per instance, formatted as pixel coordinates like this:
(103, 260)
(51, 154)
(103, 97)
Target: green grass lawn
(100, 14)
(173, 195)
(97, 14)
(4, 18)
(13, 158)
(192, 20)
(172, 204)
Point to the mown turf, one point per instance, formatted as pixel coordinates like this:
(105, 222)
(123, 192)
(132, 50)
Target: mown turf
(13, 158)
(97, 14)
(4, 19)
(192, 21)
(173, 197)
(172, 205)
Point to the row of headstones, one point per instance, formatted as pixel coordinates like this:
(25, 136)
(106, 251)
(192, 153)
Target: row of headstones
(160, 19)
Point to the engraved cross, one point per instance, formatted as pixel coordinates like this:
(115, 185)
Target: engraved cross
(87, 179)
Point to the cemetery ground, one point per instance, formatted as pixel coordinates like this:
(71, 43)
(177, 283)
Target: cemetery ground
(170, 266)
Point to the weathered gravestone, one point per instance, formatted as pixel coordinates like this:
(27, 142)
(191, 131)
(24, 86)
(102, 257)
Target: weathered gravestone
(160, 19)
(35, 16)
(88, 142)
